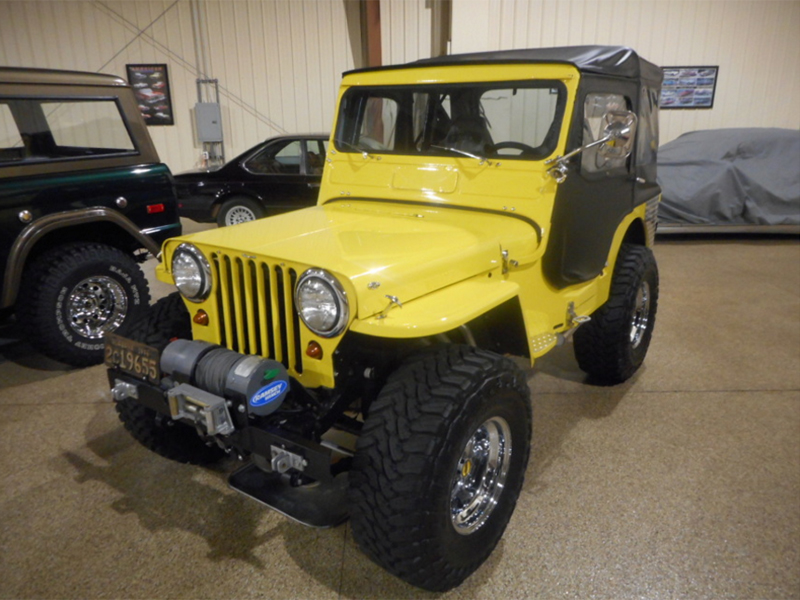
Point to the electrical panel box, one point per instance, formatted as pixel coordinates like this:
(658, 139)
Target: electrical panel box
(208, 119)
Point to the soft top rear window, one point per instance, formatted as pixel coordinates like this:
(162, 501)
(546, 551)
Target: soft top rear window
(510, 120)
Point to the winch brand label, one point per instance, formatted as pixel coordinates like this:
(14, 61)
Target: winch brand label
(268, 393)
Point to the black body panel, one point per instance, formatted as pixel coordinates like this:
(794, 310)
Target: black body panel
(588, 207)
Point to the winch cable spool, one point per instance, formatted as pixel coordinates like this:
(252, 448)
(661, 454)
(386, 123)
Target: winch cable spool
(261, 384)
(212, 370)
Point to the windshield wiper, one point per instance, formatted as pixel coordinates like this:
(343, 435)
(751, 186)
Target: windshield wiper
(363, 152)
(482, 159)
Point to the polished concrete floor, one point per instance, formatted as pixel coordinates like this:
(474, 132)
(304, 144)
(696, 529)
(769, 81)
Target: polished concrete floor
(682, 483)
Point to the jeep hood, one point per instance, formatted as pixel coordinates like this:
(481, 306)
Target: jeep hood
(383, 248)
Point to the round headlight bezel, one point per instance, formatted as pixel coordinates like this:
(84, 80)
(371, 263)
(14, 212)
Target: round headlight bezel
(339, 295)
(194, 254)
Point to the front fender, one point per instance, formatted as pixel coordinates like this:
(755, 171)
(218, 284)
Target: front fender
(36, 230)
(440, 311)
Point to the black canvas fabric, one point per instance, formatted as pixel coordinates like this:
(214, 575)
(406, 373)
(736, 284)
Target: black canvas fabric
(619, 61)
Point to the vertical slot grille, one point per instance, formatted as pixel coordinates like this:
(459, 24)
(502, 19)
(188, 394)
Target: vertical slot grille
(257, 314)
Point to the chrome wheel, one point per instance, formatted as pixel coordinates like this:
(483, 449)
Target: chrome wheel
(239, 214)
(96, 306)
(641, 314)
(480, 475)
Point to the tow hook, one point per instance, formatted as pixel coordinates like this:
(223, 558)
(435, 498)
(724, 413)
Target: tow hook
(123, 389)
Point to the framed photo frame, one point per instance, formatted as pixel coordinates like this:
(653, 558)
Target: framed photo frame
(688, 87)
(150, 85)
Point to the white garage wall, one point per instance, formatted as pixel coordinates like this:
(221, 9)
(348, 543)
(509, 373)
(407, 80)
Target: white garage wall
(405, 30)
(279, 62)
(755, 43)
(104, 37)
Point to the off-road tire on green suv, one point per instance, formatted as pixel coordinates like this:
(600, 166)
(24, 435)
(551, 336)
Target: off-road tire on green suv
(612, 346)
(434, 479)
(167, 320)
(73, 294)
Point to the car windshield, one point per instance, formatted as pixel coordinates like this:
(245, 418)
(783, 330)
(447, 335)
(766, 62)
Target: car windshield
(516, 120)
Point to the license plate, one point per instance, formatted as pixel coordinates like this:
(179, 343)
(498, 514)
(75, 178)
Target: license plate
(134, 358)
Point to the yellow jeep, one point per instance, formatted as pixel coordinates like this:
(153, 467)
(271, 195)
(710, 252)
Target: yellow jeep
(355, 354)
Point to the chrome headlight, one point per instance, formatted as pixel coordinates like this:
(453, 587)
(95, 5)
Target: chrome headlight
(191, 272)
(321, 303)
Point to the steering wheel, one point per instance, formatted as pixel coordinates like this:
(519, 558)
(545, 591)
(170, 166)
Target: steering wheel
(523, 148)
(369, 143)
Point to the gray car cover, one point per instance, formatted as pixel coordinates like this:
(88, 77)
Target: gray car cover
(731, 177)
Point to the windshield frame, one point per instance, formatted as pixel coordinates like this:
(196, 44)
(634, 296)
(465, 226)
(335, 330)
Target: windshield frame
(353, 105)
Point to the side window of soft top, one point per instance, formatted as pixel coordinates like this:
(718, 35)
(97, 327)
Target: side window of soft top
(647, 132)
(595, 106)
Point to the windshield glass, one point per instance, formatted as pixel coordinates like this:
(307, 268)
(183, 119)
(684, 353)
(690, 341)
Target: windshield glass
(513, 120)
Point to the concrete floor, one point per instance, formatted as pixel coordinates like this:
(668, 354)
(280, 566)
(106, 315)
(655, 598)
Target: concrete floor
(682, 483)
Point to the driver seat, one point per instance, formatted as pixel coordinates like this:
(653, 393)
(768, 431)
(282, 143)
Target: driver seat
(469, 133)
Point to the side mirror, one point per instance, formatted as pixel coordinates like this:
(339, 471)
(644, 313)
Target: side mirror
(618, 134)
(617, 142)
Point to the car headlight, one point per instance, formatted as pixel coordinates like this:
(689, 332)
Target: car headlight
(321, 303)
(191, 272)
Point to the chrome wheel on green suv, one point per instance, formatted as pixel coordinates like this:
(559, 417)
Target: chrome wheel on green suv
(74, 295)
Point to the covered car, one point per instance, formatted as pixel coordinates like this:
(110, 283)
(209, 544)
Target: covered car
(724, 180)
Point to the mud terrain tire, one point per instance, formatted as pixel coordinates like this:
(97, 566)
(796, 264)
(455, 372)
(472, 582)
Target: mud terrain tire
(418, 508)
(612, 346)
(168, 320)
(73, 295)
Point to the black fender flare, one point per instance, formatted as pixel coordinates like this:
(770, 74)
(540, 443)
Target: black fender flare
(36, 230)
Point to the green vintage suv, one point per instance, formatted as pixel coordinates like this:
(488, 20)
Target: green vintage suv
(83, 199)
(355, 354)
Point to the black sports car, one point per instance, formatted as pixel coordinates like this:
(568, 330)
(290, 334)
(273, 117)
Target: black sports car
(276, 176)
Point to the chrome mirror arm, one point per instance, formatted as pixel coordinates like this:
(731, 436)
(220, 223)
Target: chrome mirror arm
(619, 126)
(559, 170)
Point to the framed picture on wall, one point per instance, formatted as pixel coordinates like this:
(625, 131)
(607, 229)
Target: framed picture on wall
(688, 87)
(150, 84)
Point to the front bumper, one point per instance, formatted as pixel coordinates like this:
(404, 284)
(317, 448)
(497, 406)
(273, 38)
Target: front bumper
(276, 458)
(248, 439)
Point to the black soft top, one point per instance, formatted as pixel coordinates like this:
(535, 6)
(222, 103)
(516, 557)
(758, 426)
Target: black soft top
(618, 61)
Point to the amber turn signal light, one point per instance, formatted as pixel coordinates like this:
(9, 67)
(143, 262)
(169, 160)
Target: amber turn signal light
(314, 350)
(201, 318)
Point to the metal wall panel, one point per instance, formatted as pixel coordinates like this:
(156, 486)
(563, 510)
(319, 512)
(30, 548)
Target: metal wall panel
(754, 43)
(278, 62)
(405, 30)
